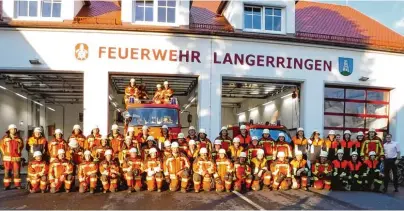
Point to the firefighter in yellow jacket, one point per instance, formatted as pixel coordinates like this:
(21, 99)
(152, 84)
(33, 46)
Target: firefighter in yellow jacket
(133, 168)
(203, 168)
(259, 167)
(87, 174)
(300, 171)
(224, 170)
(110, 174)
(154, 170)
(235, 149)
(60, 173)
(281, 172)
(37, 174)
(176, 169)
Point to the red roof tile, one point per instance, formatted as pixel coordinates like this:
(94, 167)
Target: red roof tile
(106, 12)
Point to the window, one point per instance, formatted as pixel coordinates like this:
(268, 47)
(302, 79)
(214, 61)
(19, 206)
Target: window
(154, 11)
(356, 109)
(263, 19)
(38, 8)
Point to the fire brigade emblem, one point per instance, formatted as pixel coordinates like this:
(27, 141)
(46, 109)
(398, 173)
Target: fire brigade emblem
(81, 51)
(345, 66)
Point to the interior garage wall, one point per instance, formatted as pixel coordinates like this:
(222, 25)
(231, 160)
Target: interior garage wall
(229, 116)
(71, 117)
(13, 110)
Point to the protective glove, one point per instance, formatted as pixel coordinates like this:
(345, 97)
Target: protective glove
(397, 162)
(343, 174)
(356, 176)
(309, 141)
(335, 174)
(364, 174)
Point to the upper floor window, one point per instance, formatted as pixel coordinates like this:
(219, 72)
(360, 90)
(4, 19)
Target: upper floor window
(157, 11)
(38, 8)
(262, 18)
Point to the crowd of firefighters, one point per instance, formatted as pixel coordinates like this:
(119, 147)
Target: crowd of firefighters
(138, 162)
(135, 94)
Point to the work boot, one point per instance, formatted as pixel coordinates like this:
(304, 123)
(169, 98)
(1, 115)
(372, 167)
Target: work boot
(53, 190)
(32, 191)
(42, 191)
(159, 190)
(228, 191)
(18, 187)
(68, 191)
(113, 190)
(91, 190)
(183, 190)
(105, 191)
(129, 190)
(137, 189)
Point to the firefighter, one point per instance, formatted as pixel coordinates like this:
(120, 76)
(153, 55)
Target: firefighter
(268, 144)
(300, 142)
(131, 132)
(372, 143)
(225, 138)
(203, 168)
(374, 175)
(334, 145)
(205, 142)
(282, 146)
(281, 172)
(11, 147)
(109, 170)
(165, 137)
(192, 134)
(37, 174)
(94, 139)
(356, 172)
(176, 169)
(77, 134)
(151, 144)
(360, 137)
(314, 147)
(244, 137)
(98, 153)
(300, 171)
(115, 140)
(37, 142)
(153, 168)
(74, 153)
(132, 168)
(130, 91)
(259, 168)
(353, 145)
(142, 137)
(224, 170)
(87, 174)
(235, 149)
(322, 172)
(124, 149)
(215, 152)
(192, 152)
(339, 179)
(167, 93)
(182, 143)
(60, 173)
(158, 95)
(166, 152)
(57, 143)
(348, 145)
(253, 148)
(242, 173)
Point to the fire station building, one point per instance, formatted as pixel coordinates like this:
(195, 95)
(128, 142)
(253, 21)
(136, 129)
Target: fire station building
(296, 63)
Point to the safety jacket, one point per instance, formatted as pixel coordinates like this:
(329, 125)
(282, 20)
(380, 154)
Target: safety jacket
(11, 148)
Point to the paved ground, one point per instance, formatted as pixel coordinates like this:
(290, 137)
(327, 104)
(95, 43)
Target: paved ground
(320, 200)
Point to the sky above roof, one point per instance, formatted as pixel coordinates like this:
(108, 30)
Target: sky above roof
(389, 13)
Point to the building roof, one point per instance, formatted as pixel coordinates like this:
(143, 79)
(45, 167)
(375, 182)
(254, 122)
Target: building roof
(318, 23)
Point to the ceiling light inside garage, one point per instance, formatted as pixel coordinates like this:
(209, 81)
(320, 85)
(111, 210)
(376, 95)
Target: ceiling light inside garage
(37, 103)
(22, 96)
(51, 109)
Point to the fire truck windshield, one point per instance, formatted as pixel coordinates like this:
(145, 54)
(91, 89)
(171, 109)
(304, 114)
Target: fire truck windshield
(273, 132)
(154, 116)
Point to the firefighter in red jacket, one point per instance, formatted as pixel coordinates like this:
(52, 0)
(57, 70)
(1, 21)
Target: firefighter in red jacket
(259, 168)
(205, 142)
(109, 170)
(37, 142)
(37, 174)
(372, 143)
(176, 169)
(57, 143)
(282, 146)
(74, 153)
(77, 134)
(94, 139)
(98, 153)
(60, 173)
(225, 138)
(87, 174)
(154, 170)
(300, 171)
(115, 140)
(357, 173)
(11, 147)
(224, 170)
(300, 142)
(192, 134)
(268, 144)
(253, 148)
(281, 172)
(245, 138)
(339, 177)
(322, 172)
(374, 176)
(242, 173)
(133, 168)
(203, 168)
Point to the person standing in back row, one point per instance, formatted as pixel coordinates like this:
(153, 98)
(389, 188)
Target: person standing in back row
(392, 158)
(244, 137)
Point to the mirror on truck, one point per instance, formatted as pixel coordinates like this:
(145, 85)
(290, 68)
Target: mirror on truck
(189, 118)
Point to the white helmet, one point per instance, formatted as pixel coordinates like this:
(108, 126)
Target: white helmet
(340, 151)
(158, 86)
(61, 151)
(360, 133)
(354, 153)
(260, 152)
(191, 128)
(128, 138)
(191, 142)
(223, 128)
(175, 145)
(96, 127)
(150, 138)
(254, 138)
(280, 154)
(202, 131)
(76, 127)
(38, 130)
(181, 135)
(152, 150)
(164, 127)
(12, 126)
(243, 127)
(331, 132)
(243, 154)
(165, 83)
(73, 143)
(145, 127)
(372, 153)
(167, 143)
(316, 131)
(281, 135)
(372, 129)
(132, 80)
(114, 127)
(133, 150)
(236, 140)
(104, 137)
(222, 151)
(87, 152)
(37, 153)
(217, 141)
(300, 129)
(203, 150)
(131, 129)
(58, 131)
(265, 131)
(347, 132)
(108, 152)
(299, 153)
(323, 154)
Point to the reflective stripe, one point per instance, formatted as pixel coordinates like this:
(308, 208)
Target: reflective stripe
(327, 182)
(149, 178)
(129, 178)
(68, 182)
(184, 179)
(43, 182)
(173, 176)
(267, 177)
(227, 182)
(17, 179)
(9, 158)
